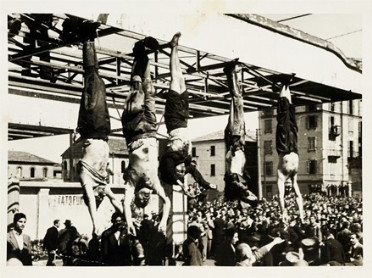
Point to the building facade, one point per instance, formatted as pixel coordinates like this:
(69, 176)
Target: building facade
(329, 136)
(27, 166)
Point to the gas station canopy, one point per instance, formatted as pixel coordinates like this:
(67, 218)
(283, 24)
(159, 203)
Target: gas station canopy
(44, 64)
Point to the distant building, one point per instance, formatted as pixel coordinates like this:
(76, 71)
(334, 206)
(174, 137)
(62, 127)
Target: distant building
(329, 136)
(118, 160)
(27, 166)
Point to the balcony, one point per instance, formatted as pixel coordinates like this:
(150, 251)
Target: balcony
(333, 153)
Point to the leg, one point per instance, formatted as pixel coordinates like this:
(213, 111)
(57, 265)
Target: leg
(298, 197)
(177, 80)
(281, 188)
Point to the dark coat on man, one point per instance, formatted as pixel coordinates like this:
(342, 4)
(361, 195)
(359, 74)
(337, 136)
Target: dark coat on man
(50, 241)
(333, 251)
(115, 252)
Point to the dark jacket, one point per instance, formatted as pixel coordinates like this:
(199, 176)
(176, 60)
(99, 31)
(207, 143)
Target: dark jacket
(333, 251)
(50, 241)
(115, 252)
(225, 254)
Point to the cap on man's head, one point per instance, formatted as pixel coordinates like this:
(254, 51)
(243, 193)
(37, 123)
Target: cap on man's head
(67, 222)
(293, 259)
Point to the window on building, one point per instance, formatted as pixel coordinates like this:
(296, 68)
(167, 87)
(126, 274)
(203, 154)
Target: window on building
(311, 122)
(213, 150)
(269, 168)
(213, 170)
(32, 172)
(269, 191)
(311, 143)
(193, 152)
(45, 172)
(351, 107)
(312, 167)
(351, 149)
(122, 166)
(332, 121)
(268, 112)
(64, 165)
(268, 147)
(332, 106)
(268, 128)
(19, 172)
(312, 107)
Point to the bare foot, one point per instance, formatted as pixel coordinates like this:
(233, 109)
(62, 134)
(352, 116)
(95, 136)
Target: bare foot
(174, 41)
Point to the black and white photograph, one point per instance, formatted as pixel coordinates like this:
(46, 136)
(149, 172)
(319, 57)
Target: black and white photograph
(155, 137)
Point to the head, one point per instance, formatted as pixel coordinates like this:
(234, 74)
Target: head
(19, 221)
(68, 223)
(56, 223)
(312, 219)
(232, 235)
(180, 171)
(353, 238)
(142, 197)
(193, 232)
(117, 220)
(243, 252)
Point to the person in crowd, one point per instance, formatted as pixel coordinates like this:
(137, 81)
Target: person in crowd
(94, 127)
(286, 146)
(246, 257)
(310, 248)
(65, 238)
(332, 249)
(218, 232)
(236, 177)
(191, 249)
(139, 129)
(343, 235)
(313, 229)
(19, 247)
(225, 253)
(357, 229)
(355, 253)
(50, 242)
(175, 163)
(115, 247)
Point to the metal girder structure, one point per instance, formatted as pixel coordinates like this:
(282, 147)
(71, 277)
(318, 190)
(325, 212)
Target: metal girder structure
(36, 46)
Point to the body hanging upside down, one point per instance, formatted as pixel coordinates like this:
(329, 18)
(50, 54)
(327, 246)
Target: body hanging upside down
(94, 128)
(139, 128)
(286, 146)
(175, 163)
(236, 176)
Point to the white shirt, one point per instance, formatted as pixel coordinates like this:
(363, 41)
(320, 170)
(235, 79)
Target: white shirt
(19, 238)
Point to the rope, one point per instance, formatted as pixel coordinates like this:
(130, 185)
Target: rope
(81, 260)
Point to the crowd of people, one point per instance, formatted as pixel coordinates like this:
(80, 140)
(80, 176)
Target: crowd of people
(330, 232)
(221, 232)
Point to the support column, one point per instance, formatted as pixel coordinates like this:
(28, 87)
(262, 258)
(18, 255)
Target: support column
(13, 198)
(42, 211)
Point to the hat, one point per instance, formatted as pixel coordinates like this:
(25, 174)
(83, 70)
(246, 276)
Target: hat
(293, 259)
(310, 243)
(67, 222)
